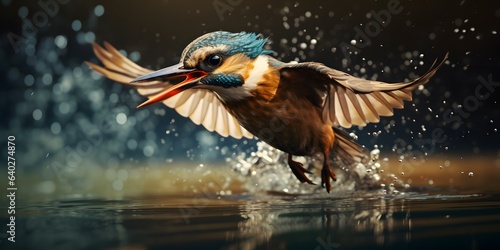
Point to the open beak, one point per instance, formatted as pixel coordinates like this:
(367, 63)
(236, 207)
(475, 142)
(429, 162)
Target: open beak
(191, 79)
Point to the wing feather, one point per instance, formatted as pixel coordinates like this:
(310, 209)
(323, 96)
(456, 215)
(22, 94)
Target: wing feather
(343, 104)
(122, 60)
(149, 91)
(393, 99)
(359, 117)
(183, 98)
(234, 131)
(245, 133)
(368, 110)
(385, 107)
(209, 121)
(186, 102)
(340, 116)
(354, 101)
(221, 125)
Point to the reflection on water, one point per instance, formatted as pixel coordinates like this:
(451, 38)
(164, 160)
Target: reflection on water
(355, 221)
(203, 207)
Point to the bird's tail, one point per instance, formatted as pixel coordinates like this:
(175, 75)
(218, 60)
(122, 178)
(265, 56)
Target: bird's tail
(346, 152)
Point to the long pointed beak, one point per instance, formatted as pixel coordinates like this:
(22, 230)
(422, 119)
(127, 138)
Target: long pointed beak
(191, 79)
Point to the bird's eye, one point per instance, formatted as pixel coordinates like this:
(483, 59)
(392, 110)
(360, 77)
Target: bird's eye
(214, 60)
(211, 62)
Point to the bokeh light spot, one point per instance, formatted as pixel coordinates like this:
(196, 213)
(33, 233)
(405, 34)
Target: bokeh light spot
(37, 114)
(121, 118)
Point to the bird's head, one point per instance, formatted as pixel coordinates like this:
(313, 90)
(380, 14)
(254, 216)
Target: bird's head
(230, 64)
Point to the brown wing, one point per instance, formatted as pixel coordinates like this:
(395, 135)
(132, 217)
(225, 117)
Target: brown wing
(202, 106)
(347, 100)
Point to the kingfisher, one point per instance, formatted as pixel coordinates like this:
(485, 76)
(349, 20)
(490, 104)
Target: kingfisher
(230, 84)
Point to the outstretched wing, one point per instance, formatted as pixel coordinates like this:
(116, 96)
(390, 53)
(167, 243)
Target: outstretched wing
(200, 105)
(347, 100)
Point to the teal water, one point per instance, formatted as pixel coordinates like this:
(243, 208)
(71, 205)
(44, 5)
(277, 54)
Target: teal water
(420, 219)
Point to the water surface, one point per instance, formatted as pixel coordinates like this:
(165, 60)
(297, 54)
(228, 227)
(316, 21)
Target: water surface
(435, 219)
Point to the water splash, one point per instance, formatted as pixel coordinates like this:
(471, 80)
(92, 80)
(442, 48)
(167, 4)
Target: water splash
(267, 170)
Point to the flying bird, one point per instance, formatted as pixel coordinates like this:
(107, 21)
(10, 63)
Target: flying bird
(230, 84)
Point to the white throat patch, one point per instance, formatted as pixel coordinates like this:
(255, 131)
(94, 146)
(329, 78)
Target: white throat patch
(260, 66)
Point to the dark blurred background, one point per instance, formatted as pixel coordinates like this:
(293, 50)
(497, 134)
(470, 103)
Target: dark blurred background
(61, 113)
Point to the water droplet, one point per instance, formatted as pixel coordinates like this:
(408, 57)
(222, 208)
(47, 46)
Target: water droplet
(89, 37)
(148, 150)
(60, 41)
(354, 136)
(47, 79)
(37, 114)
(55, 128)
(29, 80)
(375, 154)
(471, 174)
(64, 108)
(23, 12)
(99, 10)
(135, 56)
(121, 118)
(76, 25)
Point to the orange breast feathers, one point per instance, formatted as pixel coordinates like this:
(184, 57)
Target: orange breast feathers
(260, 79)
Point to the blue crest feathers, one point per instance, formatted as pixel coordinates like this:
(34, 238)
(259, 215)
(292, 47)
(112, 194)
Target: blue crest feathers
(249, 43)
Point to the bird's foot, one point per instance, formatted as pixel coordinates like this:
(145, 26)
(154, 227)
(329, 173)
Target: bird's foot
(326, 174)
(299, 170)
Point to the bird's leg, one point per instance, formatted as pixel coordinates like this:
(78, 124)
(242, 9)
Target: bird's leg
(298, 170)
(327, 172)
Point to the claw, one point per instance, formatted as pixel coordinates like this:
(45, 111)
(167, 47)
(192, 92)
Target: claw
(298, 170)
(326, 174)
